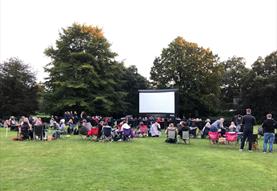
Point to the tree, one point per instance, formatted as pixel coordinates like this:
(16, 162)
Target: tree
(234, 73)
(132, 82)
(18, 89)
(84, 75)
(259, 88)
(193, 70)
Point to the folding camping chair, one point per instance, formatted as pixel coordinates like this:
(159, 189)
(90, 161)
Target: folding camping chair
(231, 137)
(83, 132)
(93, 133)
(213, 136)
(38, 132)
(106, 133)
(127, 133)
(171, 136)
(185, 136)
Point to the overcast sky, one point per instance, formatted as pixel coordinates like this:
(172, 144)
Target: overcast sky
(139, 29)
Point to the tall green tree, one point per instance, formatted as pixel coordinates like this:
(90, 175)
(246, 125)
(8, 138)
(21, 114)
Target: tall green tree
(132, 82)
(18, 89)
(194, 70)
(234, 73)
(84, 74)
(259, 88)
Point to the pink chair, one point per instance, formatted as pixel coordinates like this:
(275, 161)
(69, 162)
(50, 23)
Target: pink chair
(213, 136)
(231, 137)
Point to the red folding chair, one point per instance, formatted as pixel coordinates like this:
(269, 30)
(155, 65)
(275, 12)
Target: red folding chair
(93, 132)
(213, 136)
(231, 137)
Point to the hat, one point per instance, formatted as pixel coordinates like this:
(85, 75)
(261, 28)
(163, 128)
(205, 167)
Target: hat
(208, 120)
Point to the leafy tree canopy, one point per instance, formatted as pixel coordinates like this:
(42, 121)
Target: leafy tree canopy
(194, 70)
(18, 89)
(84, 74)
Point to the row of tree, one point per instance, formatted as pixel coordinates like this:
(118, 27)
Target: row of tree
(208, 86)
(84, 75)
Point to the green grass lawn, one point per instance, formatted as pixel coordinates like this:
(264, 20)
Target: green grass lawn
(143, 164)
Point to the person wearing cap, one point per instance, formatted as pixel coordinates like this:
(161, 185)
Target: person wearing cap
(268, 128)
(248, 121)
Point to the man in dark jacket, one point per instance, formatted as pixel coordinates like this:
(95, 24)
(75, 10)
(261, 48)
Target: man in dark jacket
(268, 128)
(248, 121)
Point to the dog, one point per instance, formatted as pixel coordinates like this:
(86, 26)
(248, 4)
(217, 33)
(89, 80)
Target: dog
(255, 146)
(222, 140)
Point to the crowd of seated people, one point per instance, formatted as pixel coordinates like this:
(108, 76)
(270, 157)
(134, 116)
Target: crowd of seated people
(72, 123)
(99, 128)
(26, 127)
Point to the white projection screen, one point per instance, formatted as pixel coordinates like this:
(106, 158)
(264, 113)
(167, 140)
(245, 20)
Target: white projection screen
(157, 101)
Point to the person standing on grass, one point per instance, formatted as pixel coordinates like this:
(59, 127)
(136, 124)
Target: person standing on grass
(248, 121)
(268, 128)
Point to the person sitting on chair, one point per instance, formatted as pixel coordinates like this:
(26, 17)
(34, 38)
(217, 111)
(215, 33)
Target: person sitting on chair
(87, 124)
(100, 126)
(171, 133)
(125, 125)
(193, 128)
(183, 128)
(25, 129)
(52, 122)
(127, 131)
(232, 127)
(62, 125)
(155, 129)
(13, 124)
(143, 129)
(71, 126)
(38, 122)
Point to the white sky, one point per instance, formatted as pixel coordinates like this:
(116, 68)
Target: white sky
(139, 29)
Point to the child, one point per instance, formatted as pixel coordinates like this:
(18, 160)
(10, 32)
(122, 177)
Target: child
(232, 127)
